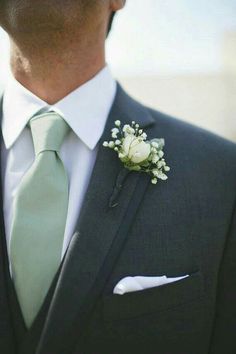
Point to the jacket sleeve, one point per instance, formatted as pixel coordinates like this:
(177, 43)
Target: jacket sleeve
(224, 331)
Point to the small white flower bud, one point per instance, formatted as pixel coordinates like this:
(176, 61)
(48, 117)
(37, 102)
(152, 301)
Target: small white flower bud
(114, 135)
(128, 130)
(115, 130)
(105, 143)
(155, 144)
(161, 164)
(155, 158)
(117, 142)
(144, 136)
(167, 168)
(111, 144)
(154, 180)
(155, 173)
(121, 155)
(163, 177)
(117, 123)
(126, 127)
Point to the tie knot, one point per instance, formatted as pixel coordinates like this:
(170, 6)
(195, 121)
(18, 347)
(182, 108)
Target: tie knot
(48, 131)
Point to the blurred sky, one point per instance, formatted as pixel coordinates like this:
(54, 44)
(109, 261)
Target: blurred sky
(170, 36)
(163, 37)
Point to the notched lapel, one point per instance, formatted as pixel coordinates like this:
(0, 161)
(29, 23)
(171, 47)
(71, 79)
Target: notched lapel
(100, 233)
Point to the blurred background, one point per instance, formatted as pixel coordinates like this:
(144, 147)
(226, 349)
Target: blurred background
(178, 56)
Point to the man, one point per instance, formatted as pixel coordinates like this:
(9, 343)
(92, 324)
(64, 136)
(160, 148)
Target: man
(76, 229)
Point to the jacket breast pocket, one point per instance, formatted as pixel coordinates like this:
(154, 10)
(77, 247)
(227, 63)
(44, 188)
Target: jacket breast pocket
(153, 300)
(170, 317)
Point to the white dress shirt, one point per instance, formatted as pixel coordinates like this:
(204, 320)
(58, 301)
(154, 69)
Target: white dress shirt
(85, 110)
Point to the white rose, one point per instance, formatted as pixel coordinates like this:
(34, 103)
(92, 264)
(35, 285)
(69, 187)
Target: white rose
(137, 150)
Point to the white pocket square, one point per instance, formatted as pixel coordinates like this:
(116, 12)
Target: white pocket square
(130, 284)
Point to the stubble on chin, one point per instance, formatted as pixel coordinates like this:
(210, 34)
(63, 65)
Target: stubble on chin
(35, 17)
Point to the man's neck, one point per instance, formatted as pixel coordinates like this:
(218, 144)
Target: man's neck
(53, 72)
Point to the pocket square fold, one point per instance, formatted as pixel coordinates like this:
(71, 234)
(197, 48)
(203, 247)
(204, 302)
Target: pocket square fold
(130, 284)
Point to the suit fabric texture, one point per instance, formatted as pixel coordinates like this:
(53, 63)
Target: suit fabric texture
(185, 225)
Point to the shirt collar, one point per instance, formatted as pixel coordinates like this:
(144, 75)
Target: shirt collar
(85, 109)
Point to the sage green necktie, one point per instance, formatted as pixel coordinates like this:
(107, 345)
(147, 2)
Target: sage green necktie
(39, 216)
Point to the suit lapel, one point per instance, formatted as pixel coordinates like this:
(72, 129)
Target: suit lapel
(99, 235)
(6, 327)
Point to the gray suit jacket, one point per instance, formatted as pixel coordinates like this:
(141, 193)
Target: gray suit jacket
(186, 225)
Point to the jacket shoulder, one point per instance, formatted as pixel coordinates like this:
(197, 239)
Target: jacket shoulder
(204, 160)
(192, 137)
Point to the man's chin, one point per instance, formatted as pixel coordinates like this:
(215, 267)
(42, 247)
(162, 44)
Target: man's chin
(33, 16)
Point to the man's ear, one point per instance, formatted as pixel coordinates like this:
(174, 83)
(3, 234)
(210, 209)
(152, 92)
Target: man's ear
(116, 5)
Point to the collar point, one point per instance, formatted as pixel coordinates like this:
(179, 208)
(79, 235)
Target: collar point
(91, 146)
(8, 144)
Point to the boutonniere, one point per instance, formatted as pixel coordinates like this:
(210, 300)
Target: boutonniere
(136, 152)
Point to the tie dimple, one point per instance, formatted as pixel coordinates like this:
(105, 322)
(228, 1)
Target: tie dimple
(48, 132)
